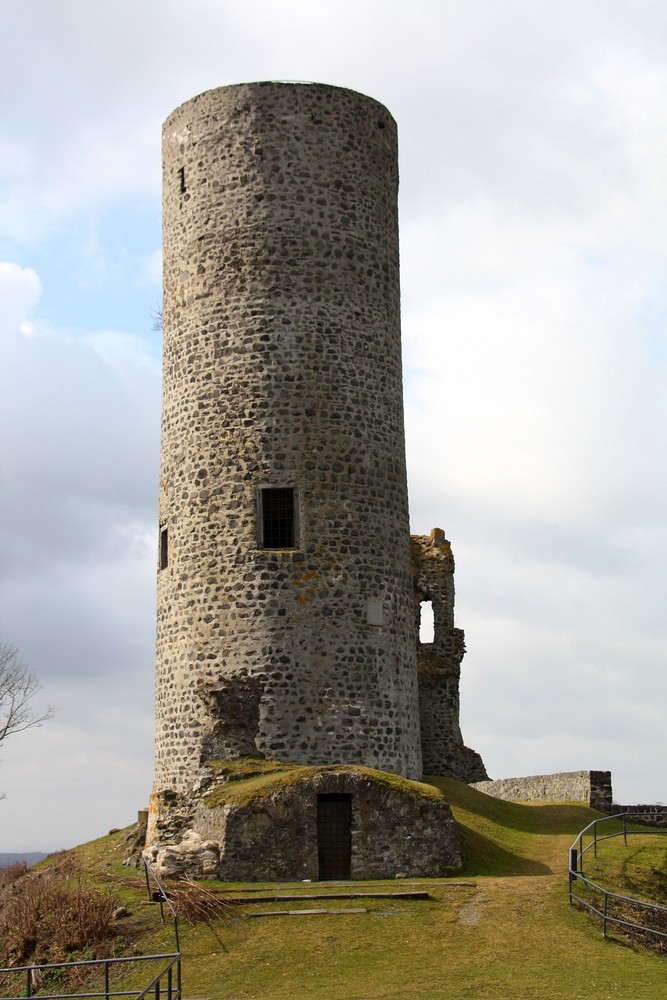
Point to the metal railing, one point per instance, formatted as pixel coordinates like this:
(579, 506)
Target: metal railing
(576, 874)
(158, 895)
(161, 985)
(164, 985)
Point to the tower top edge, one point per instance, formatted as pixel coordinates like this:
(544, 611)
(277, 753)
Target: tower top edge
(263, 87)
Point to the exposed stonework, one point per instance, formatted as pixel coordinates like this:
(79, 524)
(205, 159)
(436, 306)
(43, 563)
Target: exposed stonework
(655, 814)
(286, 626)
(395, 829)
(193, 857)
(439, 664)
(282, 368)
(591, 787)
(231, 716)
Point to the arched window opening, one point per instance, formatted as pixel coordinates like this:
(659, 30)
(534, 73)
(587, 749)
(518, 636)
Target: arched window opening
(426, 624)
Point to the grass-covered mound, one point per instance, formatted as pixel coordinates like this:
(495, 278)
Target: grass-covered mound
(249, 780)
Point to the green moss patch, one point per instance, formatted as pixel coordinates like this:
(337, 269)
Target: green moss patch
(249, 780)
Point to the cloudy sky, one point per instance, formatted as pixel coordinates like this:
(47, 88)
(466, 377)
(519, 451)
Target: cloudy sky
(533, 154)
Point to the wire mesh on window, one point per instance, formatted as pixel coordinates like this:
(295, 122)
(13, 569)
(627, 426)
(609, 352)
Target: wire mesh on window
(278, 518)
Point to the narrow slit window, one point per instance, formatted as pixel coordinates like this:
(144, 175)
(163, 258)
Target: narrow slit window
(164, 548)
(181, 177)
(277, 509)
(426, 623)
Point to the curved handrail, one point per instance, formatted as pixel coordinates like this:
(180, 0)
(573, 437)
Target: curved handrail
(576, 872)
(169, 991)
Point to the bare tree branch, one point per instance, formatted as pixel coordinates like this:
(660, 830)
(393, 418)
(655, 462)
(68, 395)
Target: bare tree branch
(157, 320)
(18, 686)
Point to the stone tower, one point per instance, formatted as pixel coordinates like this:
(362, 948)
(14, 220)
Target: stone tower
(286, 624)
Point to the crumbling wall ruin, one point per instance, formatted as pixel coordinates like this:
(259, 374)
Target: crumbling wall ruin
(439, 664)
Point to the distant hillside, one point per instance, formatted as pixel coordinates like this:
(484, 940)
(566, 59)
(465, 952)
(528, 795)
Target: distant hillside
(30, 858)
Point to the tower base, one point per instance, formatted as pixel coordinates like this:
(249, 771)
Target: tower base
(262, 820)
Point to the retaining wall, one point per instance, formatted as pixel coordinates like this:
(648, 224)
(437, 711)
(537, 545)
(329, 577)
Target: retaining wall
(591, 787)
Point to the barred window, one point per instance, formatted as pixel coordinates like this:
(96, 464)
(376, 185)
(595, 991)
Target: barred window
(277, 517)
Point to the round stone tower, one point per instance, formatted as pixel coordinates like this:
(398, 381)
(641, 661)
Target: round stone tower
(286, 622)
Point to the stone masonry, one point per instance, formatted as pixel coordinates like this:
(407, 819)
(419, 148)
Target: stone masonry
(591, 787)
(439, 664)
(394, 831)
(282, 370)
(287, 581)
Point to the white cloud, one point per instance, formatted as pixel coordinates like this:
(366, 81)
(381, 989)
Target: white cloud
(77, 535)
(20, 290)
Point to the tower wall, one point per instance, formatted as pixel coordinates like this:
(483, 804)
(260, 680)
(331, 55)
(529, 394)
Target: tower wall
(282, 370)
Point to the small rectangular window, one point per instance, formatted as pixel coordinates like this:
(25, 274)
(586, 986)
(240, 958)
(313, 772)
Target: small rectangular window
(277, 518)
(164, 548)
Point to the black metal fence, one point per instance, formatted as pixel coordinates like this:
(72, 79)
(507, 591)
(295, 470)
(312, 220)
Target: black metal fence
(164, 982)
(612, 907)
(156, 893)
(32, 980)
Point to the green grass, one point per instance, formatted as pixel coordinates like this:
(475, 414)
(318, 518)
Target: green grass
(638, 870)
(510, 838)
(500, 929)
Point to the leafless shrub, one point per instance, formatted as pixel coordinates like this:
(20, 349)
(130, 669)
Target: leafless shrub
(11, 873)
(197, 904)
(192, 901)
(51, 915)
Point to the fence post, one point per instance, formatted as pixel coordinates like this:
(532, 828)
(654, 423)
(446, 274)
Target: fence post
(604, 919)
(106, 981)
(572, 871)
(28, 992)
(625, 829)
(595, 839)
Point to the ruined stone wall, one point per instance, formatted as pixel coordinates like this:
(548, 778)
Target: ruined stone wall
(591, 787)
(439, 664)
(655, 814)
(282, 368)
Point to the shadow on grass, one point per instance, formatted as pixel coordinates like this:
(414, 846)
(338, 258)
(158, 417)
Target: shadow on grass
(484, 856)
(552, 819)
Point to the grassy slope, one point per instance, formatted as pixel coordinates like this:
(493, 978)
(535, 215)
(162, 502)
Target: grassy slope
(502, 928)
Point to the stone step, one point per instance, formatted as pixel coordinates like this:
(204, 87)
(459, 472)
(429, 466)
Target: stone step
(303, 913)
(304, 897)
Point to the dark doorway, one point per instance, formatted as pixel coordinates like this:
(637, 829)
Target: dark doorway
(334, 836)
